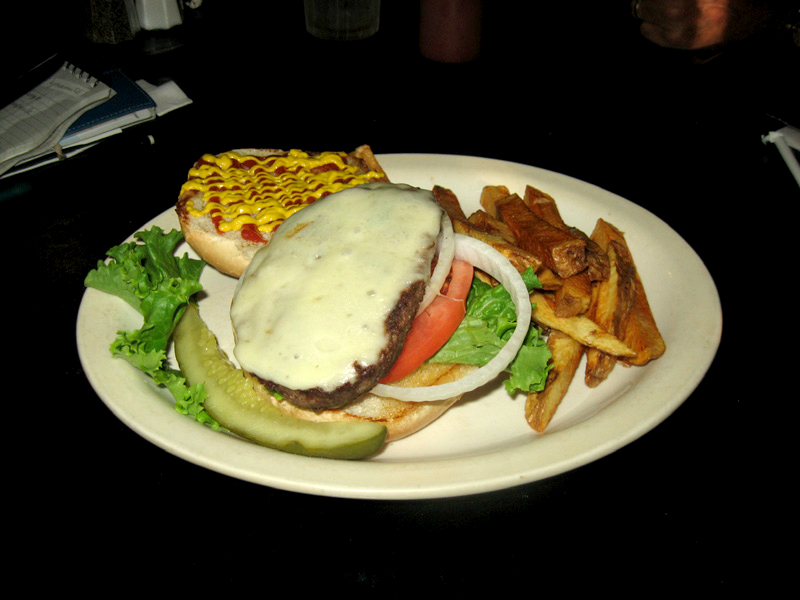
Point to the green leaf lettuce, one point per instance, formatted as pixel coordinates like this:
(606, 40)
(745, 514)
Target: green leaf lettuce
(490, 321)
(148, 276)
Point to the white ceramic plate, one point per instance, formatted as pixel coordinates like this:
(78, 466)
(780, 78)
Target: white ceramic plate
(482, 444)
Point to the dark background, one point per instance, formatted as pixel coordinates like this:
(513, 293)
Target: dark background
(572, 88)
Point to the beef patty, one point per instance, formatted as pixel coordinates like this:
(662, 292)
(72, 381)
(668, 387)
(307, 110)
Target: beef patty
(397, 325)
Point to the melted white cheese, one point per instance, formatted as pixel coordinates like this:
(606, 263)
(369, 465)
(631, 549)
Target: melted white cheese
(314, 300)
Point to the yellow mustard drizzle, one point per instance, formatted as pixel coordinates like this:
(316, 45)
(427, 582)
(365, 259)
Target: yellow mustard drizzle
(259, 196)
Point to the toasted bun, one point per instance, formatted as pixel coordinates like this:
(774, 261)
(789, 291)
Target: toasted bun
(400, 418)
(229, 252)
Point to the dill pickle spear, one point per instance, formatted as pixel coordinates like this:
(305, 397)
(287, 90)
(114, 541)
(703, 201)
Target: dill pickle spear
(236, 403)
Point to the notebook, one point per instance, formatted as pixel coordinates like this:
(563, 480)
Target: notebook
(34, 123)
(130, 105)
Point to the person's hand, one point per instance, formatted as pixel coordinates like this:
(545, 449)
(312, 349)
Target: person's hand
(696, 24)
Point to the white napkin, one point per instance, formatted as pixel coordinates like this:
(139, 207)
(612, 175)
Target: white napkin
(168, 96)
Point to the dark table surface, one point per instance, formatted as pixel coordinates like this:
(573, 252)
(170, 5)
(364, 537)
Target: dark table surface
(578, 92)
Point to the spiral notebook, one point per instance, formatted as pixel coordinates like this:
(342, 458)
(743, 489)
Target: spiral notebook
(129, 106)
(33, 124)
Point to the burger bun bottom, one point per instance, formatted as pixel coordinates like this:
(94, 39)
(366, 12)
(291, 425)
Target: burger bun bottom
(401, 418)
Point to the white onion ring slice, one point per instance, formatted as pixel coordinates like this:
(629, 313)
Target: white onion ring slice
(486, 258)
(446, 251)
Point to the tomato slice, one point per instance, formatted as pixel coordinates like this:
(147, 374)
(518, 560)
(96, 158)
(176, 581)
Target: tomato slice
(436, 324)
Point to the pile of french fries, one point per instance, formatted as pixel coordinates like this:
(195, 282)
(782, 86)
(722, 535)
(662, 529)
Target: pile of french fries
(592, 301)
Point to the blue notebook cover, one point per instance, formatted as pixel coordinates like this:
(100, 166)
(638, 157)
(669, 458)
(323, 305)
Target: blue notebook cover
(129, 98)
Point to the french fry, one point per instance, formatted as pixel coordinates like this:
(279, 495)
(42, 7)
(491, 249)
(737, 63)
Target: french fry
(543, 206)
(641, 332)
(574, 297)
(596, 258)
(558, 250)
(575, 294)
(612, 303)
(549, 280)
(580, 328)
(486, 222)
(491, 195)
(449, 203)
(541, 406)
(516, 256)
(592, 302)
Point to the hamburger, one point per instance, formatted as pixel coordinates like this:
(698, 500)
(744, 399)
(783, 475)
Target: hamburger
(339, 313)
(338, 323)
